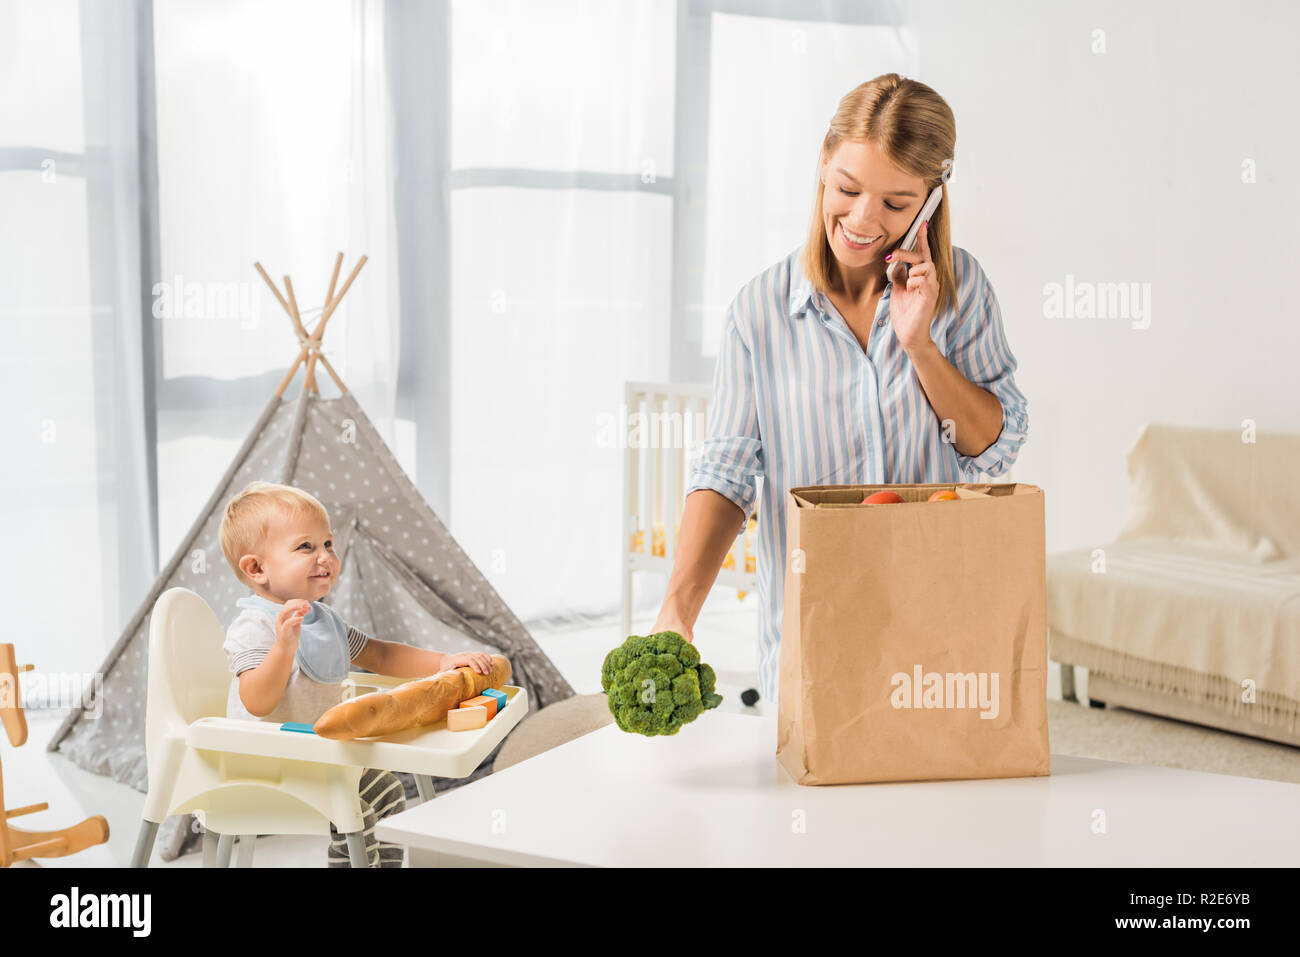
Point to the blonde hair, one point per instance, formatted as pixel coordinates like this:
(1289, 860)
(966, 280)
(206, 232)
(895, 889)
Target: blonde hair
(249, 514)
(914, 128)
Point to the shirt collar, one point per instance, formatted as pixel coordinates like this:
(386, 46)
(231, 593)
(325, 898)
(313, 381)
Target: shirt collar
(802, 292)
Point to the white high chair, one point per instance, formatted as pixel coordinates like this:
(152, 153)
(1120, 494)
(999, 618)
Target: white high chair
(246, 778)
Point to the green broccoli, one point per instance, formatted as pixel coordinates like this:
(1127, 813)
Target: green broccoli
(657, 683)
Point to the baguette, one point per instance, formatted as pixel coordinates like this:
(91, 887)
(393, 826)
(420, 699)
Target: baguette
(419, 702)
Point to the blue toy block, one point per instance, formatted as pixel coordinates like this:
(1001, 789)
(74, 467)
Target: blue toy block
(297, 726)
(501, 697)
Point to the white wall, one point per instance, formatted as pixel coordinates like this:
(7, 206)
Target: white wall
(1126, 166)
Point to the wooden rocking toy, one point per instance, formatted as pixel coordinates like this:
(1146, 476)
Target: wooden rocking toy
(17, 845)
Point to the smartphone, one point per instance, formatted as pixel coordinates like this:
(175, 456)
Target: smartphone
(909, 241)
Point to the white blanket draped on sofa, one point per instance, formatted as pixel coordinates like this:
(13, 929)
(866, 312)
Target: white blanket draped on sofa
(1200, 592)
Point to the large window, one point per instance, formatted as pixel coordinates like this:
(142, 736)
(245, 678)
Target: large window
(252, 165)
(606, 175)
(268, 130)
(566, 85)
(76, 547)
(561, 271)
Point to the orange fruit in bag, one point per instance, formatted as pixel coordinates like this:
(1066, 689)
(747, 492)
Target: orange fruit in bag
(882, 498)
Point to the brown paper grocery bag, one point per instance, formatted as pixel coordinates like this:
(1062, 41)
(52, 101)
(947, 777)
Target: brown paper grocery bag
(914, 638)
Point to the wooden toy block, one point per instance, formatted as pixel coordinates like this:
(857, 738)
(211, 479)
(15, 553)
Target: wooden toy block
(467, 719)
(484, 701)
(499, 695)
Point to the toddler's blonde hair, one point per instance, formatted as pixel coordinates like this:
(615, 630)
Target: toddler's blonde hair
(248, 517)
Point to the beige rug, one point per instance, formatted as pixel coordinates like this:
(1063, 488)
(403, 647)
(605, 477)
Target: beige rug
(1116, 734)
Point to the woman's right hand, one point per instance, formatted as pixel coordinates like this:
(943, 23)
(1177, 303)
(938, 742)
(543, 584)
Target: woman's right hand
(667, 623)
(288, 624)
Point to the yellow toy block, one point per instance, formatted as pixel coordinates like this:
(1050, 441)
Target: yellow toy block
(466, 719)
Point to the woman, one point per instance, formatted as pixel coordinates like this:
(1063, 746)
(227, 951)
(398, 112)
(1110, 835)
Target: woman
(829, 375)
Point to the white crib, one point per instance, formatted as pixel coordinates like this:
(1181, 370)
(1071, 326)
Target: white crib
(664, 424)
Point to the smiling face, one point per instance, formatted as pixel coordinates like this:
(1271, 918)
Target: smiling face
(868, 205)
(296, 559)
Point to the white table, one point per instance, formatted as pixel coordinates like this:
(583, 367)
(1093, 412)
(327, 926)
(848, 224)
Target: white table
(714, 795)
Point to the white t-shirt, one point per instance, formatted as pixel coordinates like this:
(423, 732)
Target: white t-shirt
(249, 639)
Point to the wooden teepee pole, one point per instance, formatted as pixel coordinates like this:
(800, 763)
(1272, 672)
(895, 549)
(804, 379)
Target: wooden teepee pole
(309, 382)
(274, 288)
(284, 383)
(331, 303)
(329, 297)
(310, 351)
(297, 324)
(293, 310)
(334, 280)
(330, 369)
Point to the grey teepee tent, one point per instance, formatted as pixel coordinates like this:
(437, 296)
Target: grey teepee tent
(403, 576)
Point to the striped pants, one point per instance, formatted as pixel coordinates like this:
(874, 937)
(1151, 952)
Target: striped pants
(382, 794)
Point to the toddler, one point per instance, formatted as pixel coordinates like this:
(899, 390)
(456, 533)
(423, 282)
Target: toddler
(289, 652)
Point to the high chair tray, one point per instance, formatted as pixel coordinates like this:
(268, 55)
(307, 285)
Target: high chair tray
(430, 749)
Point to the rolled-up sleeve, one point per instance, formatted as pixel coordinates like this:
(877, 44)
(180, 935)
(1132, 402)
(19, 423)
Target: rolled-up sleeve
(982, 355)
(357, 641)
(730, 458)
(248, 641)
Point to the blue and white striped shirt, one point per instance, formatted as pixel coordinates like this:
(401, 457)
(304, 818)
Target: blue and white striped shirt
(797, 401)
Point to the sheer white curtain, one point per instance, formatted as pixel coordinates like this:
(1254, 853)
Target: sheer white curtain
(572, 167)
(774, 85)
(565, 118)
(561, 268)
(74, 496)
(272, 127)
(273, 146)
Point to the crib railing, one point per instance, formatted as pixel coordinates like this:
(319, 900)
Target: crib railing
(664, 426)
